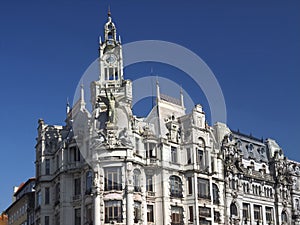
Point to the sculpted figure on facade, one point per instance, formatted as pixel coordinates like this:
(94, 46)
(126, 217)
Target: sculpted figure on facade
(124, 138)
(96, 115)
(111, 107)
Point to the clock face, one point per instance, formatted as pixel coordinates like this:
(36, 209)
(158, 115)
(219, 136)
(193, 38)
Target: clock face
(110, 59)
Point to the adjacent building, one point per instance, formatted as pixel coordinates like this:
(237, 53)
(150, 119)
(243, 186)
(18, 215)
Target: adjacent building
(3, 219)
(107, 166)
(21, 211)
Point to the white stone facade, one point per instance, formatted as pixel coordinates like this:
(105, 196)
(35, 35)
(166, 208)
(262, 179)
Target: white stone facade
(109, 167)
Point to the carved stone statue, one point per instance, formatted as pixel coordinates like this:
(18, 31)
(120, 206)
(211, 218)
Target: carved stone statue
(124, 138)
(96, 114)
(111, 107)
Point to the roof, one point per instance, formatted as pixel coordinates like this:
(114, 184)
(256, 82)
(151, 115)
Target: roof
(22, 185)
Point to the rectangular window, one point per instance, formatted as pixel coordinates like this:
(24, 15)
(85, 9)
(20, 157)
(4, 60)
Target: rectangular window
(47, 166)
(57, 219)
(137, 212)
(88, 182)
(204, 211)
(77, 213)
(150, 213)
(105, 73)
(246, 211)
(150, 150)
(57, 193)
(173, 154)
(203, 188)
(113, 211)
(200, 158)
(175, 187)
(57, 162)
(190, 185)
(176, 215)
(149, 184)
(204, 221)
(47, 196)
(111, 74)
(77, 186)
(137, 146)
(89, 215)
(269, 214)
(188, 156)
(212, 164)
(116, 73)
(191, 214)
(38, 198)
(216, 197)
(113, 179)
(217, 216)
(38, 169)
(47, 220)
(75, 154)
(257, 212)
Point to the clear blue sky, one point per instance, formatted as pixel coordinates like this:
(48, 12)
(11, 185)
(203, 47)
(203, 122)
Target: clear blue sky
(253, 48)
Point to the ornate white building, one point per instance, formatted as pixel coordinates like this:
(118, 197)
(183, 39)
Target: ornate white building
(109, 167)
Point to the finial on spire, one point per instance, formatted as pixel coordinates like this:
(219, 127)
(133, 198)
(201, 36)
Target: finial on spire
(82, 101)
(68, 106)
(181, 97)
(157, 89)
(108, 11)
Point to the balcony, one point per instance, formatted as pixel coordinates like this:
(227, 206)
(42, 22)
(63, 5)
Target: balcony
(150, 193)
(203, 196)
(176, 194)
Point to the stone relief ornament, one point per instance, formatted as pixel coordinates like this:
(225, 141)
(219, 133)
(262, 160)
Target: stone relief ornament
(124, 138)
(98, 140)
(297, 170)
(250, 150)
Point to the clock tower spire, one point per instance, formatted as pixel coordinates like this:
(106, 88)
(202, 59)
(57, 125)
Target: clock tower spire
(110, 81)
(110, 55)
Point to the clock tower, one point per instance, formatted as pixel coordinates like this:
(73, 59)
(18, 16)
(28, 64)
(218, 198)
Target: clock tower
(110, 55)
(111, 94)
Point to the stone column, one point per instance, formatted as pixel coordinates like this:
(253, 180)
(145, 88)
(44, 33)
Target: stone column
(252, 213)
(97, 200)
(129, 195)
(129, 208)
(144, 210)
(263, 215)
(196, 205)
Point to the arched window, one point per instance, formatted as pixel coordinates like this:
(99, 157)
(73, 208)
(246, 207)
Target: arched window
(233, 210)
(136, 180)
(216, 197)
(284, 217)
(201, 142)
(239, 145)
(89, 182)
(175, 186)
